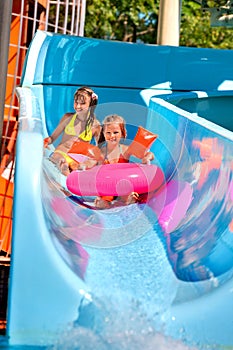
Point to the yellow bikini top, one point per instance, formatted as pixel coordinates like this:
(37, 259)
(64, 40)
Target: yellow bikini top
(86, 135)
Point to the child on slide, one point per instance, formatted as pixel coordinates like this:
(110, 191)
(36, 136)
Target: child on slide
(113, 151)
(81, 125)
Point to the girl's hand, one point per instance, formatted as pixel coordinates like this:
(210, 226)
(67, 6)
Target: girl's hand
(88, 164)
(148, 157)
(47, 141)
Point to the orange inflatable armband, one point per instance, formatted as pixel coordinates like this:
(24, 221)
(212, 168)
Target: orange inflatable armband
(86, 149)
(141, 142)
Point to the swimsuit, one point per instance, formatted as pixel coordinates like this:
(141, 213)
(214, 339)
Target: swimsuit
(121, 159)
(68, 159)
(86, 135)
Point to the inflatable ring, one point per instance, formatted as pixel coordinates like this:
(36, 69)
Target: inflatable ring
(117, 179)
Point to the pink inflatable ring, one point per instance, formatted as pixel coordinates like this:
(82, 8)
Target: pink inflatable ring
(115, 179)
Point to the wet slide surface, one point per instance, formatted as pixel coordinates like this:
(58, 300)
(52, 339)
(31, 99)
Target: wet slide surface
(160, 271)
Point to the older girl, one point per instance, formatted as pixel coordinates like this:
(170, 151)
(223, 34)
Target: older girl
(81, 125)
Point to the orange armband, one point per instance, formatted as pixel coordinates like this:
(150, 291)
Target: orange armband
(141, 142)
(87, 149)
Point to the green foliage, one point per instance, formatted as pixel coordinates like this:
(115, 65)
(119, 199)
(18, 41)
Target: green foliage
(213, 3)
(137, 21)
(196, 30)
(123, 20)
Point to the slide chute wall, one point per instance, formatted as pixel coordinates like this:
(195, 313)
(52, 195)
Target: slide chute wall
(53, 272)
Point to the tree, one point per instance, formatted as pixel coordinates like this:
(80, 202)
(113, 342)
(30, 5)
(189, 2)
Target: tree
(137, 21)
(123, 20)
(196, 30)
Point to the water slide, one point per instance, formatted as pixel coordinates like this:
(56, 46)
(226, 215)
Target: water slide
(152, 275)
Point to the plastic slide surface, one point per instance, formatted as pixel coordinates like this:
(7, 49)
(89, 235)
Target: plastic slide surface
(129, 277)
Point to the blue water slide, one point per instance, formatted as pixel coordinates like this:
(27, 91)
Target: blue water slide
(137, 276)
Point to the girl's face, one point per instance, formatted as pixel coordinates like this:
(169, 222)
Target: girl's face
(82, 104)
(112, 133)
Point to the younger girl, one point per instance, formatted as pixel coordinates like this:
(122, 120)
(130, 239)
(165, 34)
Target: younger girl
(81, 125)
(113, 151)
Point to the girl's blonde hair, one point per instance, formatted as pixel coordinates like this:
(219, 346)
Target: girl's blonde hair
(109, 119)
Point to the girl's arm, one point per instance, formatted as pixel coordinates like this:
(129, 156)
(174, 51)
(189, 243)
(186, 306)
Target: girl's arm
(87, 164)
(96, 130)
(125, 152)
(148, 157)
(61, 126)
(59, 129)
(102, 155)
(91, 162)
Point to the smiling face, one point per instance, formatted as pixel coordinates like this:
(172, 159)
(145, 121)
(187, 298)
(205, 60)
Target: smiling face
(82, 104)
(112, 133)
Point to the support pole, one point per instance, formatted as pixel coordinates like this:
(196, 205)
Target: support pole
(5, 25)
(169, 22)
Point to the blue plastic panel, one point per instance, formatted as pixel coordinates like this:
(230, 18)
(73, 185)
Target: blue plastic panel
(200, 69)
(117, 64)
(214, 106)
